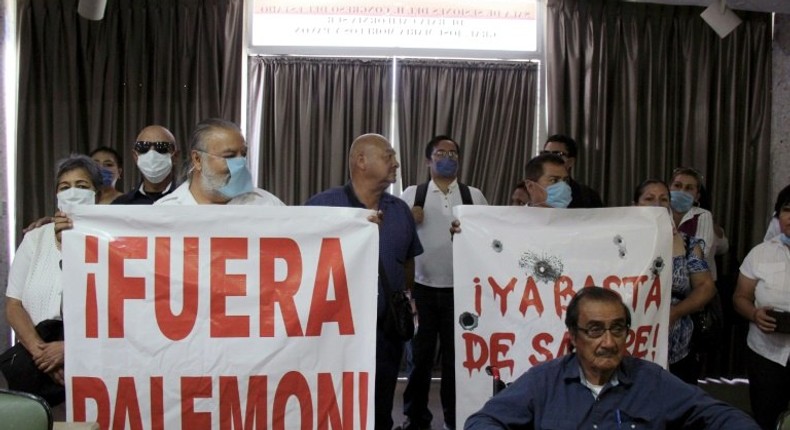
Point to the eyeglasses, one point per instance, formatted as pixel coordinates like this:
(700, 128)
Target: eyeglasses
(594, 332)
(141, 147)
(560, 153)
(441, 153)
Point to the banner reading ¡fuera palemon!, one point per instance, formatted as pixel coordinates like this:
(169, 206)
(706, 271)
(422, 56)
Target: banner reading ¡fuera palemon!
(218, 316)
(517, 268)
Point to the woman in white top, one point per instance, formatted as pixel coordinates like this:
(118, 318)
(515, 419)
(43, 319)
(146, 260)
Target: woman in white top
(764, 286)
(34, 292)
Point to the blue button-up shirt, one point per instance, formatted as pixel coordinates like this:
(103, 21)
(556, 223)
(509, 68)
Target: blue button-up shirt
(398, 240)
(552, 396)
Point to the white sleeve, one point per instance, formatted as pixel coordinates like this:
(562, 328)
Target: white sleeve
(705, 231)
(477, 197)
(408, 195)
(747, 267)
(23, 260)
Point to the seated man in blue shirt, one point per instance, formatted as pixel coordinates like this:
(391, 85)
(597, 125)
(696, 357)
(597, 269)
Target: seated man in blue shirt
(599, 387)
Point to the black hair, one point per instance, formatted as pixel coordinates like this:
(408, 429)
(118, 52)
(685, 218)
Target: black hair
(79, 161)
(570, 144)
(435, 141)
(596, 294)
(534, 169)
(640, 189)
(782, 200)
(116, 154)
(688, 171)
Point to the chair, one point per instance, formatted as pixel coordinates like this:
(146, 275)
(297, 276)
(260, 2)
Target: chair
(23, 411)
(783, 423)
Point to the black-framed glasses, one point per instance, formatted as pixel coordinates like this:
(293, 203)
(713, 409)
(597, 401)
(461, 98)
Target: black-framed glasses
(594, 332)
(142, 146)
(441, 153)
(562, 154)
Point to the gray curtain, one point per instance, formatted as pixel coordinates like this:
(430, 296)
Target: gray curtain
(305, 112)
(645, 88)
(490, 108)
(84, 84)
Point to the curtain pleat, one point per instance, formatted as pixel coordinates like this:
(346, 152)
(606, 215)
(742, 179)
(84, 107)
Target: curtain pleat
(489, 108)
(305, 112)
(645, 88)
(84, 84)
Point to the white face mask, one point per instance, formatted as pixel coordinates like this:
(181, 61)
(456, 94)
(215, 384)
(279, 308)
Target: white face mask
(155, 166)
(73, 196)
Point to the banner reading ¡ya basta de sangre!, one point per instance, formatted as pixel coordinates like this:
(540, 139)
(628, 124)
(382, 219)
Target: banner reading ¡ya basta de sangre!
(205, 317)
(517, 268)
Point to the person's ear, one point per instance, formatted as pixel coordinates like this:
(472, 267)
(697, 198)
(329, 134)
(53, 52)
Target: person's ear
(195, 156)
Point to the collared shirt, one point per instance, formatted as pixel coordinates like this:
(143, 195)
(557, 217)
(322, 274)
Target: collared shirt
(551, 396)
(138, 196)
(769, 264)
(434, 267)
(398, 241)
(183, 196)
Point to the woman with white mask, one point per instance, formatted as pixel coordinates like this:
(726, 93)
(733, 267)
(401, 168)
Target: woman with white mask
(34, 293)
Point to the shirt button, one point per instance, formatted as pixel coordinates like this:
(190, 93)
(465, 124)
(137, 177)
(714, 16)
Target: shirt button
(595, 426)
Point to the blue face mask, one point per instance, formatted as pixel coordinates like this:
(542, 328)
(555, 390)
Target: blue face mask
(106, 177)
(785, 239)
(447, 167)
(681, 201)
(240, 181)
(559, 195)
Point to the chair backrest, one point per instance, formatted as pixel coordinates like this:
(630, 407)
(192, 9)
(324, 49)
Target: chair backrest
(23, 411)
(783, 423)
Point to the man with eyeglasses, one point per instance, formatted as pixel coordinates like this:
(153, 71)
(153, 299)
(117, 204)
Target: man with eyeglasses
(565, 147)
(218, 173)
(599, 387)
(432, 206)
(155, 152)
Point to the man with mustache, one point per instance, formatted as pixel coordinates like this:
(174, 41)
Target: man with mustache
(598, 386)
(218, 173)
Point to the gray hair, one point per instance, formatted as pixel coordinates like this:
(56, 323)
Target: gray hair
(197, 141)
(79, 161)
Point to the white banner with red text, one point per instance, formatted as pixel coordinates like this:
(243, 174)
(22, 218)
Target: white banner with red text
(218, 317)
(517, 268)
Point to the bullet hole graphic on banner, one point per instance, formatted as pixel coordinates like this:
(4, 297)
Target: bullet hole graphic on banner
(620, 243)
(658, 266)
(545, 268)
(468, 321)
(496, 245)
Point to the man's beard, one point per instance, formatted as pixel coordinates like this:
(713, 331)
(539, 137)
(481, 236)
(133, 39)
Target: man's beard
(210, 181)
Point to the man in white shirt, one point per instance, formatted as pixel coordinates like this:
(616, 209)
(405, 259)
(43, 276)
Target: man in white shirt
(218, 173)
(432, 206)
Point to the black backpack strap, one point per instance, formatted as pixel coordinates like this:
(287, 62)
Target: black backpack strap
(466, 196)
(419, 198)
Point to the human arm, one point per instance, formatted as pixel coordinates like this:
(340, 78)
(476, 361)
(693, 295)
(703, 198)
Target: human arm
(23, 326)
(743, 302)
(722, 243)
(50, 358)
(702, 287)
(37, 223)
(706, 232)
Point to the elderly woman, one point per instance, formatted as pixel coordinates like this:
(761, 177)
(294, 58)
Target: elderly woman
(692, 285)
(764, 288)
(34, 287)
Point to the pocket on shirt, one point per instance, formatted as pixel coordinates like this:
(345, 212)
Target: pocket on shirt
(774, 274)
(557, 424)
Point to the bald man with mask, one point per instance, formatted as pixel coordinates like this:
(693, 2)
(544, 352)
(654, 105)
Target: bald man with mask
(155, 153)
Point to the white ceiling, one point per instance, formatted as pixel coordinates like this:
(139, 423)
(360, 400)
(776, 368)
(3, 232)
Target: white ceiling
(778, 6)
